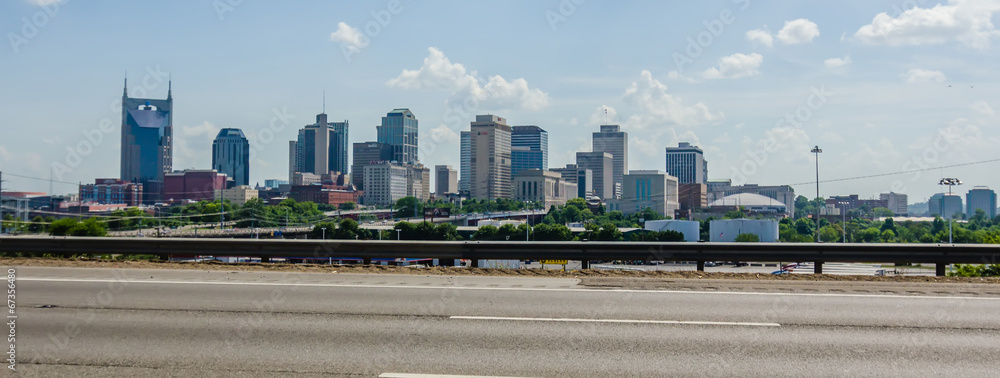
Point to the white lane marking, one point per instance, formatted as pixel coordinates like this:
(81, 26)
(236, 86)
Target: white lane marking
(405, 375)
(362, 286)
(571, 320)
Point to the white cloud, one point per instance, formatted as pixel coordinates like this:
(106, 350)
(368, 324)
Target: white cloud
(917, 75)
(43, 3)
(761, 36)
(837, 62)
(652, 104)
(350, 37)
(677, 76)
(831, 137)
(735, 66)
(443, 135)
(193, 145)
(983, 108)
(798, 31)
(438, 72)
(604, 115)
(966, 21)
(794, 32)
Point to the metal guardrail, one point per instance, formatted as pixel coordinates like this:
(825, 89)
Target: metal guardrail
(818, 253)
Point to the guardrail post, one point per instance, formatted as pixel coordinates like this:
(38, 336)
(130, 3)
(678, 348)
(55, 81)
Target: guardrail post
(585, 264)
(940, 269)
(265, 259)
(366, 261)
(818, 269)
(474, 263)
(701, 266)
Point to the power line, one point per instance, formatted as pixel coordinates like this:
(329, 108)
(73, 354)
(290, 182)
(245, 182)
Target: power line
(900, 172)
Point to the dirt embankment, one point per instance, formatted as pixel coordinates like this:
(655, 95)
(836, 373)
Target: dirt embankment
(451, 271)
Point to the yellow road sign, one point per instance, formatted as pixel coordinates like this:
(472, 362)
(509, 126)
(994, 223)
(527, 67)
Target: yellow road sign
(554, 262)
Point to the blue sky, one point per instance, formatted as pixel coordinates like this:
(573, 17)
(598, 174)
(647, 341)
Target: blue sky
(881, 86)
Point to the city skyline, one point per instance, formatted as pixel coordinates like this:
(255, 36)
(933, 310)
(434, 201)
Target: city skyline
(875, 103)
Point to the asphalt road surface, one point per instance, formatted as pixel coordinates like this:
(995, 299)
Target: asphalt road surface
(104, 322)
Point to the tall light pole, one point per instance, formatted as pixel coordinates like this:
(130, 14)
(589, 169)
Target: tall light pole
(843, 205)
(324, 233)
(950, 182)
(816, 150)
(398, 230)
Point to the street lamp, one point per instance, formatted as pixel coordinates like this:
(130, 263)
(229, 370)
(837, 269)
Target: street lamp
(324, 233)
(950, 182)
(843, 209)
(816, 150)
(398, 230)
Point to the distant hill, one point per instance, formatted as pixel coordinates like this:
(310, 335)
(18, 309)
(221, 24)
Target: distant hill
(918, 209)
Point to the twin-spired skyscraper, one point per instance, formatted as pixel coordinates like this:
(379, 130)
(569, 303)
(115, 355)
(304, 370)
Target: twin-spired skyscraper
(147, 141)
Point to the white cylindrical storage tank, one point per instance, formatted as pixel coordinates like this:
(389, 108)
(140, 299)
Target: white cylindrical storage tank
(690, 229)
(727, 230)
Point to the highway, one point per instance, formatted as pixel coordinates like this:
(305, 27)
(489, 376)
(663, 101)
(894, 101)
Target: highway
(101, 322)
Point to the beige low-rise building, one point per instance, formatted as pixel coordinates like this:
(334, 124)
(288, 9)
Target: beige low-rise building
(544, 187)
(237, 195)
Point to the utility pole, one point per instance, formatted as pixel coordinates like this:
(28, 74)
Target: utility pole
(816, 150)
(1, 203)
(950, 182)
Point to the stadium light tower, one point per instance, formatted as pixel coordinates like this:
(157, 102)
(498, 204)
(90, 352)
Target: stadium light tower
(950, 182)
(816, 150)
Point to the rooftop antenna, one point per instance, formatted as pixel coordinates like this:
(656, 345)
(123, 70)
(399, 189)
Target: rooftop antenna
(324, 102)
(170, 86)
(605, 116)
(125, 90)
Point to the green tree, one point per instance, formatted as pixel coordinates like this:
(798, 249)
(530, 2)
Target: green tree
(747, 238)
(347, 206)
(659, 236)
(608, 232)
(830, 234)
(555, 232)
(881, 212)
(487, 232)
(74, 227)
(407, 207)
(37, 224)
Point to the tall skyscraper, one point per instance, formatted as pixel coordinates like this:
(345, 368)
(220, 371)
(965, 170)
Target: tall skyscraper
(320, 148)
(897, 202)
(615, 142)
(447, 180)
(147, 142)
(399, 130)
(529, 149)
(418, 181)
(490, 158)
(231, 155)
(365, 154)
(601, 164)
(981, 197)
(385, 183)
(687, 163)
(648, 189)
(951, 205)
(339, 146)
(465, 162)
(934, 204)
